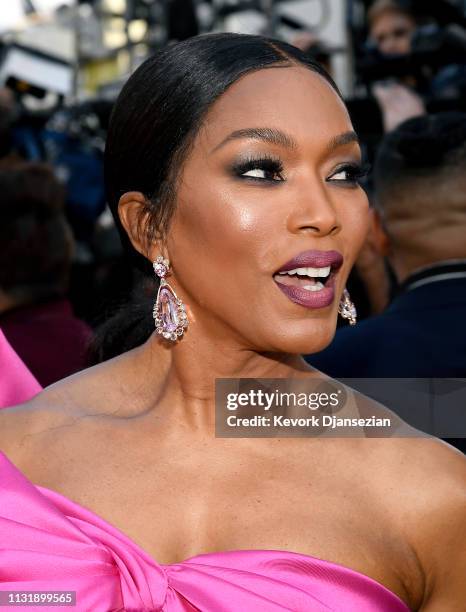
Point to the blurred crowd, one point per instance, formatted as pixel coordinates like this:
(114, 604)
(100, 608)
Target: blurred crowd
(63, 273)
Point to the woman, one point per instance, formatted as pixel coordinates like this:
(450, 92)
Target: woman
(231, 156)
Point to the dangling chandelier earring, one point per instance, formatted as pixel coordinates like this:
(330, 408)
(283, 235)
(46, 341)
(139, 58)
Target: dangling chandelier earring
(346, 307)
(169, 312)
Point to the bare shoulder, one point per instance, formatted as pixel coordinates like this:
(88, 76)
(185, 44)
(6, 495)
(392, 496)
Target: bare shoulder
(426, 497)
(426, 469)
(62, 407)
(440, 536)
(65, 418)
(426, 478)
(21, 426)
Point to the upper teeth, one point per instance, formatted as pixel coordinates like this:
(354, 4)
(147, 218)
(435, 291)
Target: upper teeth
(309, 271)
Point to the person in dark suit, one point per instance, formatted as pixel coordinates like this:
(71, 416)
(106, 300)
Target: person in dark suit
(420, 228)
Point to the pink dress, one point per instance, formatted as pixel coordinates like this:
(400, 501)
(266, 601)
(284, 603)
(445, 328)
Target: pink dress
(50, 543)
(17, 384)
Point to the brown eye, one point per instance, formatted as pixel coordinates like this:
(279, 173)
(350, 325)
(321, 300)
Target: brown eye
(349, 173)
(256, 173)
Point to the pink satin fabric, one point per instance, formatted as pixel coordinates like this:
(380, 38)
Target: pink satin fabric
(17, 384)
(50, 543)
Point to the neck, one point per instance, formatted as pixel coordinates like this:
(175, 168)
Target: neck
(404, 267)
(419, 243)
(185, 388)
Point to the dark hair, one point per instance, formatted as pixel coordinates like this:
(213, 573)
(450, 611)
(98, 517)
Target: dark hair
(35, 257)
(380, 7)
(154, 123)
(419, 150)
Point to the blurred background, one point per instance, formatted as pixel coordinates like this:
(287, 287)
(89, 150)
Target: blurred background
(62, 64)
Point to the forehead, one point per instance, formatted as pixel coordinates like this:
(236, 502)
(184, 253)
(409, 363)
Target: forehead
(296, 100)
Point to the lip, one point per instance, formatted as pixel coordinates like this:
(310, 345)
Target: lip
(312, 259)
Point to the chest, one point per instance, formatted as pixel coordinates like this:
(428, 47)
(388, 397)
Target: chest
(178, 500)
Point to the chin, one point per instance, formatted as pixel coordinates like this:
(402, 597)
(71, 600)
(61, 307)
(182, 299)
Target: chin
(305, 338)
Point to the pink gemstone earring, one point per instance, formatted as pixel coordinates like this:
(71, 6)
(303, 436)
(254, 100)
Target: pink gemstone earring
(346, 307)
(169, 313)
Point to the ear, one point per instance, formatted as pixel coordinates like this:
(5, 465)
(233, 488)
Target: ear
(379, 234)
(134, 214)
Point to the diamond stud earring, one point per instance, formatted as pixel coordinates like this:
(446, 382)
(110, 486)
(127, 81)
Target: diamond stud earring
(169, 312)
(346, 307)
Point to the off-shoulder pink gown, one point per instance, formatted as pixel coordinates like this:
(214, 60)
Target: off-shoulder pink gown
(50, 543)
(17, 384)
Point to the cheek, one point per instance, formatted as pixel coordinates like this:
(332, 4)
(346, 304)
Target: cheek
(223, 224)
(215, 238)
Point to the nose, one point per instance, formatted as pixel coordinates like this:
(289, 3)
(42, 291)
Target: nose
(314, 213)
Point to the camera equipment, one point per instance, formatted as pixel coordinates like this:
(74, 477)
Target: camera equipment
(25, 69)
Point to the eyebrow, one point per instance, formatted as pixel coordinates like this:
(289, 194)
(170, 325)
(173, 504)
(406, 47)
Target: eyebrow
(277, 137)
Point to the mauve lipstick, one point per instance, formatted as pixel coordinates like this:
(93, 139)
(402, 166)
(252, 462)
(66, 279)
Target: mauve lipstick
(312, 259)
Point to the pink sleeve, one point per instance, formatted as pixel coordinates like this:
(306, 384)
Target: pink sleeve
(17, 384)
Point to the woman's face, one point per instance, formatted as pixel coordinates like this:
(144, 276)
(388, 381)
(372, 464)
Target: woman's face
(271, 177)
(392, 32)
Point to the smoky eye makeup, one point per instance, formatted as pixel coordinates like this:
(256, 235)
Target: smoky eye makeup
(349, 173)
(267, 168)
(259, 168)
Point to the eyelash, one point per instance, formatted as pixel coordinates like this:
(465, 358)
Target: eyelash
(274, 165)
(356, 172)
(267, 163)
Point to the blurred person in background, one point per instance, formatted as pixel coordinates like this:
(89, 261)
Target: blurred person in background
(418, 50)
(419, 225)
(36, 248)
(391, 27)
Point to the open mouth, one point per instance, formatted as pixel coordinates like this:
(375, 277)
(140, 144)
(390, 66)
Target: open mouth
(310, 279)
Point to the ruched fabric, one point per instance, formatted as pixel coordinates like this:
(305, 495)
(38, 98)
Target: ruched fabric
(50, 543)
